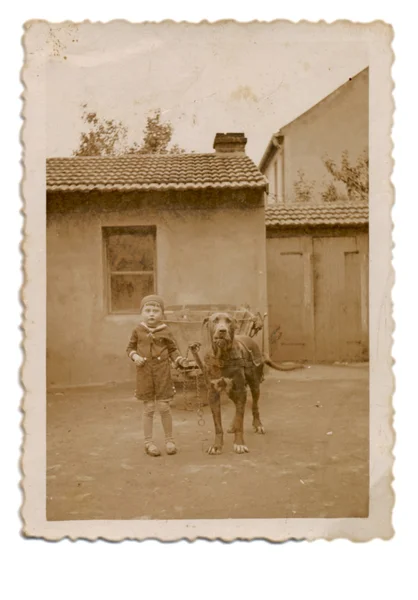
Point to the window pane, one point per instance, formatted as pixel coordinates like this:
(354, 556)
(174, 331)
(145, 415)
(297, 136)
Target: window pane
(131, 251)
(127, 291)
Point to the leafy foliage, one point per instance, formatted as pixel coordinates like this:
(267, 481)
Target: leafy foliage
(303, 189)
(355, 178)
(107, 137)
(349, 182)
(157, 137)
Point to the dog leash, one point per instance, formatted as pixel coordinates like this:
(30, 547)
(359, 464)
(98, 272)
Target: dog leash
(193, 348)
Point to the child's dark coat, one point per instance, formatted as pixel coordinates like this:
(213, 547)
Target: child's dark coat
(153, 379)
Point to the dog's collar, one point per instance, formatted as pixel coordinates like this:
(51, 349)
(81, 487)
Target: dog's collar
(232, 358)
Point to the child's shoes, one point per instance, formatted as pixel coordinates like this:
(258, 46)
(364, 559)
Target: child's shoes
(152, 450)
(170, 448)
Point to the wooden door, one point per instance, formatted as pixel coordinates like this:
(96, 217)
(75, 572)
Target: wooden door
(290, 298)
(340, 298)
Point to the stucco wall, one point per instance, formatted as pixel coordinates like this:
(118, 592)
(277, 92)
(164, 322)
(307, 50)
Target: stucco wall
(213, 255)
(275, 175)
(338, 123)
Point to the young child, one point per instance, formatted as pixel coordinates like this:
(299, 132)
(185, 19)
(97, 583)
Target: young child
(152, 347)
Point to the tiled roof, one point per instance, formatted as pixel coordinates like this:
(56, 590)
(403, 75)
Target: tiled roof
(292, 215)
(153, 172)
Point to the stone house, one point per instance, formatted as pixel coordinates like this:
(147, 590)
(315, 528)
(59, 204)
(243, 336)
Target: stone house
(317, 250)
(190, 227)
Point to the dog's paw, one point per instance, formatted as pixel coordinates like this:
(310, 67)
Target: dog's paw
(259, 429)
(240, 449)
(214, 450)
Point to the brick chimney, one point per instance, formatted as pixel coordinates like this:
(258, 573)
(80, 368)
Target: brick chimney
(230, 143)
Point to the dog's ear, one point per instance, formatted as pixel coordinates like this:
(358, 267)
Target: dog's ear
(233, 327)
(205, 321)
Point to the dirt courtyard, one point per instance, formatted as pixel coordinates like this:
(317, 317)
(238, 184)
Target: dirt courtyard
(312, 461)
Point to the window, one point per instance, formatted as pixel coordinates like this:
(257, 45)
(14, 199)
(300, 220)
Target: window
(130, 266)
(278, 176)
(276, 180)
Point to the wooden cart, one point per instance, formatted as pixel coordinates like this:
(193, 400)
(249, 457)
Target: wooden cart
(186, 323)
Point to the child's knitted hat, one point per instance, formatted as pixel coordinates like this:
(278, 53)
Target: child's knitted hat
(152, 299)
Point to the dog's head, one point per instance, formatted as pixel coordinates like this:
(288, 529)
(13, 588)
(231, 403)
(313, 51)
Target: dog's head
(221, 327)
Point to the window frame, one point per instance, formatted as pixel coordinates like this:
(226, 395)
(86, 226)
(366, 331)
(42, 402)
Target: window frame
(107, 232)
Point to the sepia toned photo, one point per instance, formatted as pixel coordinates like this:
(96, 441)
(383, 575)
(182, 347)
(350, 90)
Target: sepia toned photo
(208, 281)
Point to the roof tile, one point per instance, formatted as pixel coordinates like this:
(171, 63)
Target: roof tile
(317, 214)
(153, 172)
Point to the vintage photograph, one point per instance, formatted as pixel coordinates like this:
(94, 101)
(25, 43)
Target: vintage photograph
(211, 326)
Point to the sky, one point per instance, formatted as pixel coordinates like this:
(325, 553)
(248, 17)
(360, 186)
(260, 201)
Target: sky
(205, 78)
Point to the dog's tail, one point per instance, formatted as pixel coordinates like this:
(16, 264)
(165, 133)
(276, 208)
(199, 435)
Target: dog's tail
(286, 367)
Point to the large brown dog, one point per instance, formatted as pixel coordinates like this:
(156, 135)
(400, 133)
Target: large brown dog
(232, 363)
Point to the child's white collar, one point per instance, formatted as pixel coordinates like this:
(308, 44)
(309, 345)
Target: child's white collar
(154, 329)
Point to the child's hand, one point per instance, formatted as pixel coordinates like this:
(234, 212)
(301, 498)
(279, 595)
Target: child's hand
(139, 360)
